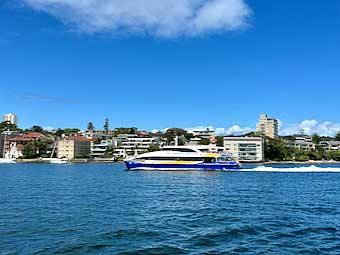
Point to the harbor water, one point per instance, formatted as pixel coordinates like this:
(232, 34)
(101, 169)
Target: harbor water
(103, 209)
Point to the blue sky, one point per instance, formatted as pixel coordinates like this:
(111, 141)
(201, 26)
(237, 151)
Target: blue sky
(62, 65)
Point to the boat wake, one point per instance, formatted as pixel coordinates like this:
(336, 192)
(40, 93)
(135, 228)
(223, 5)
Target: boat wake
(302, 169)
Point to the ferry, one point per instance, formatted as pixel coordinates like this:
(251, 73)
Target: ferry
(182, 158)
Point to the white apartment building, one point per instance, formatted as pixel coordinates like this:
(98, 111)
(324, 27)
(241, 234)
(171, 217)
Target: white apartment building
(11, 118)
(245, 149)
(268, 126)
(139, 144)
(133, 145)
(99, 149)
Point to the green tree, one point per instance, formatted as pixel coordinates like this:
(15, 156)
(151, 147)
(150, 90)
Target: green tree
(132, 131)
(7, 126)
(181, 140)
(302, 156)
(254, 134)
(36, 148)
(335, 155)
(153, 147)
(276, 150)
(220, 141)
(90, 126)
(316, 139)
(109, 151)
(106, 125)
(204, 141)
(36, 128)
(30, 150)
(59, 132)
(71, 130)
(171, 133)
(337, 137)
(123, 130)
(315, 155)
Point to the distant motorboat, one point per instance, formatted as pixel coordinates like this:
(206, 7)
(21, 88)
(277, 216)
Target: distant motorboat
(59, 161)
(7, 161)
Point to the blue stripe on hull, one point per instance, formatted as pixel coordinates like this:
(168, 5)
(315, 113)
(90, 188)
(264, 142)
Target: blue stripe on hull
(202, 166)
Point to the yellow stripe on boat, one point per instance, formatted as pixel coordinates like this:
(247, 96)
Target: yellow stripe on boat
(210, 155)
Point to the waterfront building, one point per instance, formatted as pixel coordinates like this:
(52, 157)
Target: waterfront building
(132, 144)
(11, 118)
(268, 126)
(211, 148)
(206, 133)
(142, 133)
(2, 145)
(137, 145)
(245, 149)
(198, 135)
(98, 149)
(120, 153)
(300, 144)
(74, 146)
(14, 145)
(330, 145)
(98, 134)
(194, 141)
(303, 138)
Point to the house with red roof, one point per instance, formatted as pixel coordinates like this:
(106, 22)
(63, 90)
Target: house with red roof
(34, 135)
(15, 145)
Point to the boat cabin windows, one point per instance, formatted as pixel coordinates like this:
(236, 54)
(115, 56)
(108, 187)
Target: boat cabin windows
(209, 160)
(179, 149)
(204, 150)
(224, 159)
(172, 158)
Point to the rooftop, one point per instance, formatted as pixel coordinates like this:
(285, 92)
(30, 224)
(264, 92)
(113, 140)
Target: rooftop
(79, 138)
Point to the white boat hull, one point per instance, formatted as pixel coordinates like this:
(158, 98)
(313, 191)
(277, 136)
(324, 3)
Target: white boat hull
(7, 161)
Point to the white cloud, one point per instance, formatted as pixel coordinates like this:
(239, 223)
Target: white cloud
(234, 130)
(237, 130)
(199, 128)
(309, 127)
(162, 18)
(48, 128)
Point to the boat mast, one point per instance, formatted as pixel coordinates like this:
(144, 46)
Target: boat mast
(4, 147)
(54, 146)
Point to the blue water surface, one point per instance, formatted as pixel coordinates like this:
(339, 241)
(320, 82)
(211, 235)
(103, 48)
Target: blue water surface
(103, 209)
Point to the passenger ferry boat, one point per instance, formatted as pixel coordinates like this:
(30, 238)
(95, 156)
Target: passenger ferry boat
(182, 158)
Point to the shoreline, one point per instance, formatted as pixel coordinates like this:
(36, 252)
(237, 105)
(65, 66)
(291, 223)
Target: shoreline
(80, 161)
(310, 162)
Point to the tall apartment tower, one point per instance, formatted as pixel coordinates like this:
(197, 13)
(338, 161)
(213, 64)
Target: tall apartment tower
(268, 126)
(11, 118)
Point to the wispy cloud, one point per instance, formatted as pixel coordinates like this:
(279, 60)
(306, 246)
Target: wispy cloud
(40, 98)
(160, 18)
(309, 127)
